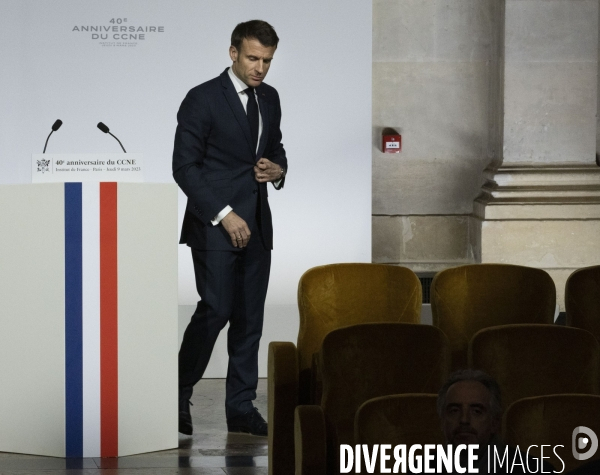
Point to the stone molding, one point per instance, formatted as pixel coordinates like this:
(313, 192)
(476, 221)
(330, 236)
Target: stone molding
(539, 192)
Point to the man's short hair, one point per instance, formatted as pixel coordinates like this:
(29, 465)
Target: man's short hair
(254, 29)
(472, 375)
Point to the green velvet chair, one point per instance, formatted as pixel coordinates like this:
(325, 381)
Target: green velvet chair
(359, 363)
(329, 297)
(582, 300)
(469, 298)
(550, 420)
(535, 360)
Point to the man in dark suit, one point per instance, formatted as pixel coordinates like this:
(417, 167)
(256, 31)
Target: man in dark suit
(227, 148)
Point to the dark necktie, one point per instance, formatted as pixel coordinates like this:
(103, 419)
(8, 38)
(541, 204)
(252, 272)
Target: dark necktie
(252, 114)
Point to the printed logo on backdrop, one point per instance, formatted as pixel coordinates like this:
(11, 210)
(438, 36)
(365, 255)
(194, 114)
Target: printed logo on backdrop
(118, 32)
(43, 166)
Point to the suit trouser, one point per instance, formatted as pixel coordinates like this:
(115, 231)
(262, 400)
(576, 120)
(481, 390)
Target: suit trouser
(232, 286)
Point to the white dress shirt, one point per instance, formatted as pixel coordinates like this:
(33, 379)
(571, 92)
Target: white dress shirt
(240, 88)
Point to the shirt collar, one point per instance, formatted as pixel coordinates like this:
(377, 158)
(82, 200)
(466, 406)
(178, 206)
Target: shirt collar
(239, 85)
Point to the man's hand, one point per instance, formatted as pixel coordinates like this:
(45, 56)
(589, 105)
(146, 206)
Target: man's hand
(265, 170)
(237, 229)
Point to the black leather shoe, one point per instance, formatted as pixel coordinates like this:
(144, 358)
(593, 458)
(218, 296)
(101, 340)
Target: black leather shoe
(249, 423)
(185, 418)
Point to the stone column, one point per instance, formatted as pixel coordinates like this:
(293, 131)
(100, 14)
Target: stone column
(540, 204)
(431, 83)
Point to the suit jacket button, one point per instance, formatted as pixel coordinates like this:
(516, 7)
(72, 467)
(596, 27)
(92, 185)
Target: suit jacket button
(255, 191)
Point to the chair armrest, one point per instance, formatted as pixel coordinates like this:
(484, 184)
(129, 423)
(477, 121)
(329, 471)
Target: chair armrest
(310, 441)
(282, 385)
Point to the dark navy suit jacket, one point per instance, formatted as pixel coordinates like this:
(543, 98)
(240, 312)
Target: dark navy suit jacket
(213, 161)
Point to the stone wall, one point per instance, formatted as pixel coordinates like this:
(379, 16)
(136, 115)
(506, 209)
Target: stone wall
(432, 64)
(496, 101)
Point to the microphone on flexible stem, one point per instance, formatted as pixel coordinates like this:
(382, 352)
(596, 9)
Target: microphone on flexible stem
(55, 127)
(106, 130)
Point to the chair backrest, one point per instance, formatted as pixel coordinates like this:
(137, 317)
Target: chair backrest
(536, 360)
(337, 295)
(582, 300)
(365, 361)
(469, 298)
(398, 419)
(551, 420)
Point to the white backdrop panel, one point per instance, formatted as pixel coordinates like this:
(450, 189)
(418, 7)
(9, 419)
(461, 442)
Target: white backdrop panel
(322, 70)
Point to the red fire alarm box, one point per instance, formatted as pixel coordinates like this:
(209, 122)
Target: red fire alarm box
(391, 142)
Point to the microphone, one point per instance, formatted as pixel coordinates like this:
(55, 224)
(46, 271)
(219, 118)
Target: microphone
(55, 127)
(106, 130)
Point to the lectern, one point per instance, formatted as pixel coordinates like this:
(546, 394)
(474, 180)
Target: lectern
(88, 318)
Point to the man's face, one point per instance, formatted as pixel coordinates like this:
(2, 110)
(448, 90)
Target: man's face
(466, 417)
(251, 63)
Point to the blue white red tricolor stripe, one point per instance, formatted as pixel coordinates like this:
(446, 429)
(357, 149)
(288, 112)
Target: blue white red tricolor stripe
(91, 308)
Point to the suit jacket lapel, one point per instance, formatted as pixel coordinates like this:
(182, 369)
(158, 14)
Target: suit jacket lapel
(264, 114)
(237, 108)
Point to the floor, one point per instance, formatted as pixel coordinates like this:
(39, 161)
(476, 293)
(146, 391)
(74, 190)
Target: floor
(211, 450)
